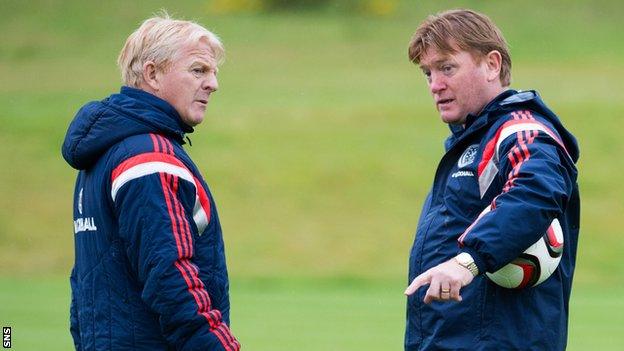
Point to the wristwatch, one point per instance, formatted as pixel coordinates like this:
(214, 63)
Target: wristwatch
(465, 260)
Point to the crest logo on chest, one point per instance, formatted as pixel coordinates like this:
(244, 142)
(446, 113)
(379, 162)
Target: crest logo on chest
(80, 201)
(468, 156)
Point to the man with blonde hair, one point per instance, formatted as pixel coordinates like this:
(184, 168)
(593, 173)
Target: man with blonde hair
(150, 271)
(509, 152)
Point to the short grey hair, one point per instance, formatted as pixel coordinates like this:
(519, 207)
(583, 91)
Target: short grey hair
(159, 39)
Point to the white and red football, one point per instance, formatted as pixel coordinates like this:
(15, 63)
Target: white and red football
(535, 264)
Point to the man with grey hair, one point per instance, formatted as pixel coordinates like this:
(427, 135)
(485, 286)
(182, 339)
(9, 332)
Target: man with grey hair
(150, 271)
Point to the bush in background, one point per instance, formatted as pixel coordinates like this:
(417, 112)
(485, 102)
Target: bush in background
(361, 7)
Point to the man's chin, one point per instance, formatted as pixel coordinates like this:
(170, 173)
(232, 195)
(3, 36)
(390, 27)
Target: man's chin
(196, 122)
(451, 118)
(193, 121)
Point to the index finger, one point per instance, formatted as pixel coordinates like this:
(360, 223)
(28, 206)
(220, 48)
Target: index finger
(419, 281)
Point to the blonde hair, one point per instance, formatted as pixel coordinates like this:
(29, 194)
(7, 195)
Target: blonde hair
(468, 30)
(159, 39)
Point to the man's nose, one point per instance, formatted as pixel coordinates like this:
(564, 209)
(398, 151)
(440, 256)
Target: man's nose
(211, 83)
(437, 83)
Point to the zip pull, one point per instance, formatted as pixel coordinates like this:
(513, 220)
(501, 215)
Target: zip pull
(189, 140)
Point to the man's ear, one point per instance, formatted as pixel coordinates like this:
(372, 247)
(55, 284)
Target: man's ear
(150, 76)
(493, 62)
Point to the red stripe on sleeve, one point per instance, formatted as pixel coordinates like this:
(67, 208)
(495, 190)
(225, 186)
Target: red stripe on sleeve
(201, 284)
(213, 316)
(170, 146)
(222, 338)
(144, 158)
(166, 146)
(174, 228)
(181, 218)
(522, 157)
(519, 117)
(189, 284)
(488, 152)
(203, 198)
(228, 334)
(179, 225)
(196, 289)
(523, 145)
(163, 152)
(155, 142)
(189, 272)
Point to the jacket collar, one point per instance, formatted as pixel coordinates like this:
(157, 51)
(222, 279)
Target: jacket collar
(159, 104)
(474, 122)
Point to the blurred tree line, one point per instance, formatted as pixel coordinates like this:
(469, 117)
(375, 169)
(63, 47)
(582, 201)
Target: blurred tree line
(363, 7)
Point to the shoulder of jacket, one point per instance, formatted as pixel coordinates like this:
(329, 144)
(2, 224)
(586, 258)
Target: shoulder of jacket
(525, 105)
(519, 98)
(516, 110)
(144, 143)
(140, 144)
(142, 155)
(517, 121)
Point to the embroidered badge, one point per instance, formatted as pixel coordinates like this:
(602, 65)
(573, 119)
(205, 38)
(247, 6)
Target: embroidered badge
(80, 201)
(468, 156)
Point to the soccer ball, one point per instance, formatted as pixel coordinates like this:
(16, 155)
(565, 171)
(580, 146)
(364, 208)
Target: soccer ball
(535, 264)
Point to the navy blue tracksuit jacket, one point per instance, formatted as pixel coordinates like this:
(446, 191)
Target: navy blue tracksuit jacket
(516, 156)
(150, 270)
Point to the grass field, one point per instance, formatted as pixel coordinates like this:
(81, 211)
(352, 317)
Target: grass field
(319, 148)
(299, 314)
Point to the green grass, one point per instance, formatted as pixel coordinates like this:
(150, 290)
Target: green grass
(322, 138)
(319, 148)
(300, 314)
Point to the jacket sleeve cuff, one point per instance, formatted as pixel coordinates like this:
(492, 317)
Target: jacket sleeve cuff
(476, 257)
